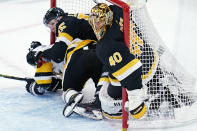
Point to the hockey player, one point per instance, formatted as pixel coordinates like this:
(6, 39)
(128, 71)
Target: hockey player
(125, 67)
(45, 78)
(128, 70)
(75, 48)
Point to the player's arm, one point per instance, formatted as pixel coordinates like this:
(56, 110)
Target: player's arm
(56, 53)
(44, 79)
(74, 28)
(39, 54)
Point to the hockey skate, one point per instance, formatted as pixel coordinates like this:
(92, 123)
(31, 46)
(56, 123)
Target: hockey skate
(72, 98)
(90, 110)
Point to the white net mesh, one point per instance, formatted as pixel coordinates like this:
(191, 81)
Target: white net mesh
(77, 6)
(169, 88)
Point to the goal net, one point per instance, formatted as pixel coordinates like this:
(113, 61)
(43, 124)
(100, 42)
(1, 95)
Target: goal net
(169, 88)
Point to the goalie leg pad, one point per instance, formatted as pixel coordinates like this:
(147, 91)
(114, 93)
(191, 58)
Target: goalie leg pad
(111, 108)
(71, 97)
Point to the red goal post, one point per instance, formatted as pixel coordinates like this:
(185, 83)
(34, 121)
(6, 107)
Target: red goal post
(126, 32)
(52, 35)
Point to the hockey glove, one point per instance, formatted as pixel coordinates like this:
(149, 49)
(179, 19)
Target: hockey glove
(55, 85)
(35, 89)
(34, 57)
(34, 44)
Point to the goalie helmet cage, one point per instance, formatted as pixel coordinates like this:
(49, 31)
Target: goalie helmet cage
(169, 88)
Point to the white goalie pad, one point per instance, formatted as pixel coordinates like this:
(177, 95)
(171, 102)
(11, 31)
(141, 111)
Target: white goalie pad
(108, 104)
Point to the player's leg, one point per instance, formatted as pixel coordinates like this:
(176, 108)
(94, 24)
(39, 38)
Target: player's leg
(111, 101)
(92, 109)
(109, 97)
(81, 67)
(74, 79)
(111, 107)
(71, 97)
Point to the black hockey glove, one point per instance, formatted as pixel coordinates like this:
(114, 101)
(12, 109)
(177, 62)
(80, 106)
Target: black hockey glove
(33, 57)
(34, 89)
(55, 85)
(34, 44)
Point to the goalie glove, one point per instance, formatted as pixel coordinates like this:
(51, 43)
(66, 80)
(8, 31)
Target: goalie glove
(34, 88)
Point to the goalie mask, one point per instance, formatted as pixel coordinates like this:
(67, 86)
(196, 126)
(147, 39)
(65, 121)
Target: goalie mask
(52, 13)
(100, 17)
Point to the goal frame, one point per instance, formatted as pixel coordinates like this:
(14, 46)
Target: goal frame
(126, 32)
(52, 34)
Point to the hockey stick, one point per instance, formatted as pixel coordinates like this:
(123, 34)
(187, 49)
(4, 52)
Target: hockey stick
(96, 1)
(15, 78)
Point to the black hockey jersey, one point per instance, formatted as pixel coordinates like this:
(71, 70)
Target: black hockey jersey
(68, 29)
(140, 51)
(72, 27)
(113, 52)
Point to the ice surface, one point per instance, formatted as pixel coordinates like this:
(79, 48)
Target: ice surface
(21, 23)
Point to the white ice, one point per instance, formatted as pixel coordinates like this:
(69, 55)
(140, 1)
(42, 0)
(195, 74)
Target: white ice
(21, 23)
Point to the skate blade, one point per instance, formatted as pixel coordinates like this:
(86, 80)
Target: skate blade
(95, 114)
(68, 109)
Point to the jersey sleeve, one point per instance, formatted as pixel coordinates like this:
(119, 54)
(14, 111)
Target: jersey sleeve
(56, 52)
(68, 30)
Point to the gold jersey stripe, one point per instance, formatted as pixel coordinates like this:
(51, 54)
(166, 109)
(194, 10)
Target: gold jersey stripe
(39, 82)
(65, 35)
(114, 82)
(127, 69)
(104, 79)
(46, 67)
(79, 46)
(111, 116)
